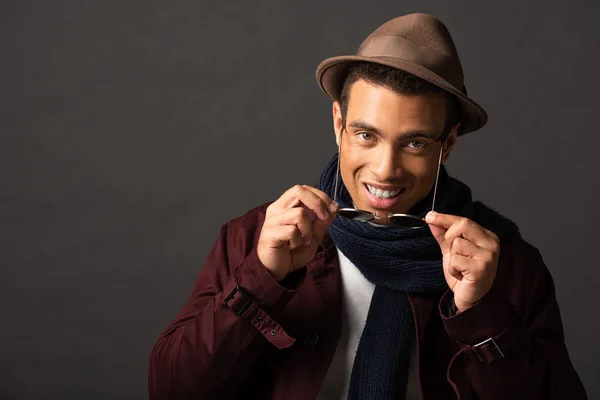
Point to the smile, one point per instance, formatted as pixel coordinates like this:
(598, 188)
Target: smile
(384, 193)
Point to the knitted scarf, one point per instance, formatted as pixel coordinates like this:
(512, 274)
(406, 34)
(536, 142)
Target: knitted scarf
(398, 261)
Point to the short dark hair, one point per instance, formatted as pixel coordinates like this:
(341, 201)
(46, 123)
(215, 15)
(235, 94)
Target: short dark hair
(397, 80)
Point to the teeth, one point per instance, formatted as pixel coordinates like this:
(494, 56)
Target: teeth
(383, 194)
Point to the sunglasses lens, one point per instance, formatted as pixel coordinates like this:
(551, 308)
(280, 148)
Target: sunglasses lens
(355, 215)
(407, 221)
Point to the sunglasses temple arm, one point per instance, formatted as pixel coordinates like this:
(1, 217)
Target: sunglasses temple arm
(437, 177)
(337, 172)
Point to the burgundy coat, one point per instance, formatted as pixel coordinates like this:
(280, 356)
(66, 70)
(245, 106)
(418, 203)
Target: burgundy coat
(243, 335)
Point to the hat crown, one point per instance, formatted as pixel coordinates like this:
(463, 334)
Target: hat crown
(419, 44)
(419, 38)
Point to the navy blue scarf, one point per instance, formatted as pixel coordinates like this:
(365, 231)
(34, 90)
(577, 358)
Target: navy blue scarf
(398, 261)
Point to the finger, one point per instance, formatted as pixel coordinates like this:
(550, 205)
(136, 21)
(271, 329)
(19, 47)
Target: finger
(297, 216)
(285, 235)
(466, 248)
(470, 230)
(317, 201)
(331, 205)
(451, 270)
(299, 195)
(469, 249)
(469, 268)
(439, 235)
(296, 240)
(441, 220)
(320, 227)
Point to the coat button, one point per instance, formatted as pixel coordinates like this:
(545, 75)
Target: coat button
(312, 340)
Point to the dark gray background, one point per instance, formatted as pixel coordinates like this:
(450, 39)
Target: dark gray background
(130, 131)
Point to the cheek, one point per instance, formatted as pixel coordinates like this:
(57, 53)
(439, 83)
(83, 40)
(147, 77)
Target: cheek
(424, 174)
(347, 171)
(350, 167)
(418, 170)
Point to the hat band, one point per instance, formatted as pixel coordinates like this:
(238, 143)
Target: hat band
(390, 46)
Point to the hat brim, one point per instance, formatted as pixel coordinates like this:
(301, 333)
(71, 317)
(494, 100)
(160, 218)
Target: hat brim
(332, 72)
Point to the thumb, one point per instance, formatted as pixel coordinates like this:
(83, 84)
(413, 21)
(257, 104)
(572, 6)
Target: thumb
(439, 233)
(321, 226)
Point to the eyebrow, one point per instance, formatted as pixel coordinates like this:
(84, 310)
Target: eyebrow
(405, 135)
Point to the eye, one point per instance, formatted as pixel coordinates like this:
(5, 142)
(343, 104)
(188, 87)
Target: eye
(365, 136)
(416, 144)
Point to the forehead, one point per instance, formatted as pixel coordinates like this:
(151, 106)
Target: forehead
(391, 111)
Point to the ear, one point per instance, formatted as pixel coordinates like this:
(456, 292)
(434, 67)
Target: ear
(337, 121)
(450, 143)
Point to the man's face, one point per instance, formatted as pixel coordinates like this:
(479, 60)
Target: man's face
(389, 153)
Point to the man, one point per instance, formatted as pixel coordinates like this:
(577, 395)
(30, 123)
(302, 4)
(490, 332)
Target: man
(345, 290)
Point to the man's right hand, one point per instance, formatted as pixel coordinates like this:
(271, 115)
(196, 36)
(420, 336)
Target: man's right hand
(294, 226)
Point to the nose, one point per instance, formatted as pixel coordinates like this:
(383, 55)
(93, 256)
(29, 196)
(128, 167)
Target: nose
(386, 165)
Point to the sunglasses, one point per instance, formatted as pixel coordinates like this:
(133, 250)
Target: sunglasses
(397, 220)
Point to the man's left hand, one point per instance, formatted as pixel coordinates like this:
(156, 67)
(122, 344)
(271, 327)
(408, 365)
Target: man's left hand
(470, 256)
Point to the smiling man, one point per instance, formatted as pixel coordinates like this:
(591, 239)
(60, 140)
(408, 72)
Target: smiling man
(353, 288)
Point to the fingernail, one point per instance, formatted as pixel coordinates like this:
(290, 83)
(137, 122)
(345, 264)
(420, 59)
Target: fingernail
(307, 242)
(430, 216)
(333, 207)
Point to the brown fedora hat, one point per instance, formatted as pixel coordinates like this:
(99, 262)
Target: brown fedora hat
(419, 44)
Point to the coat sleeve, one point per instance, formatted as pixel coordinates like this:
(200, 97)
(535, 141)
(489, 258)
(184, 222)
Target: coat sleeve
(224, 327)
(512, 341)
